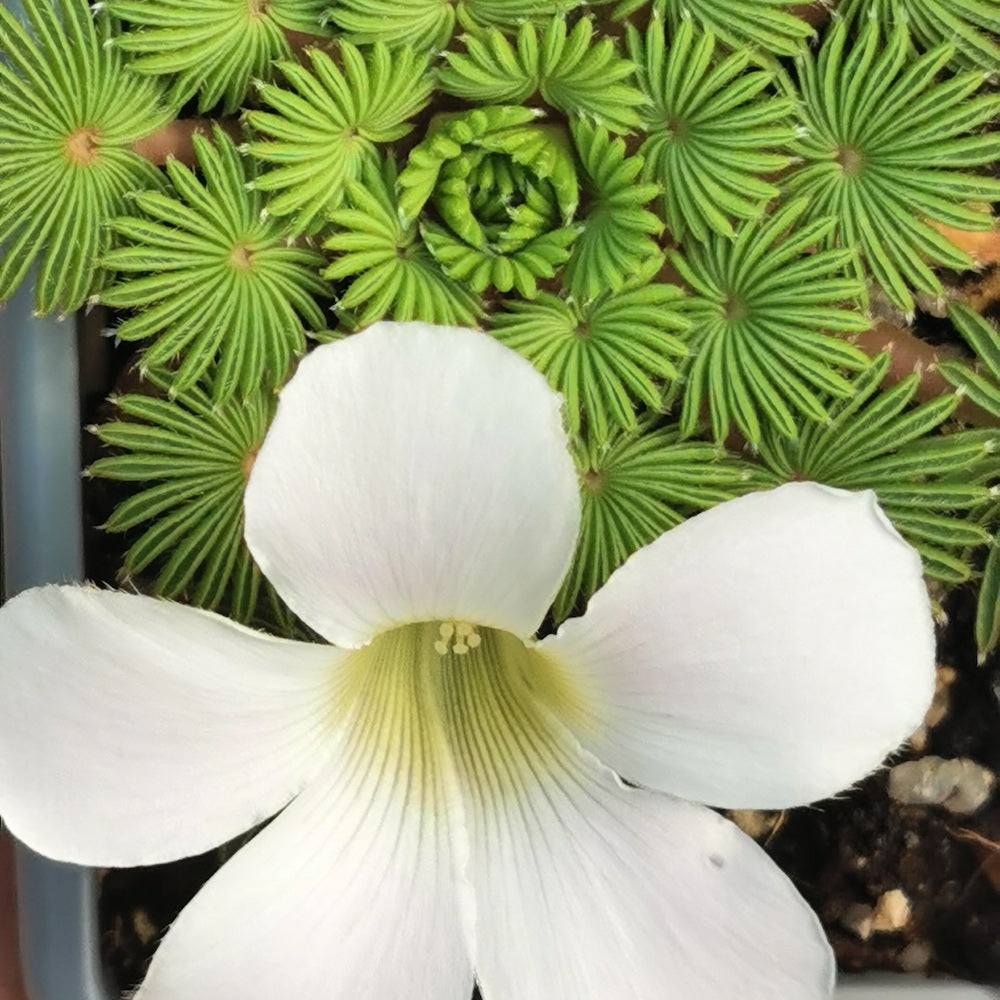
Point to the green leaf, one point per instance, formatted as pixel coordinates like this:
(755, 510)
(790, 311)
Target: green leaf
(429, 24)
(394, 274)
(69, 114)
(216, 49)
(492, 69)
(326, 128)
(605, 356)
(965, 24)
(616, 242)
(571, 71)
(191, 458)
(760, 24)
(883, 150)
(982, 387)
(582, 77)
(879, 440)
(636, 486)
(761, 353)
(988, 605)
(213, 282)
(712, 130)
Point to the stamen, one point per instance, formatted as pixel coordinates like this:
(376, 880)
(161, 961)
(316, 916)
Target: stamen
(465, 638)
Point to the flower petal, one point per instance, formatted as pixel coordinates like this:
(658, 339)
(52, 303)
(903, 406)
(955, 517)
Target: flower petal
(349, 894)
(585, 888)
(134, 731)
(414, 473)
(764, 654)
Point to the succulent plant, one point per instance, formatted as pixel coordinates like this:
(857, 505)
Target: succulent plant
(212, 281)
(69, 114)
(886, 149)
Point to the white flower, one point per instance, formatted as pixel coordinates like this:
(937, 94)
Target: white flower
(446, 813)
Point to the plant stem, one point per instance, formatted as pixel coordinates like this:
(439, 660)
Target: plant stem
(911, 354)
(176, 140)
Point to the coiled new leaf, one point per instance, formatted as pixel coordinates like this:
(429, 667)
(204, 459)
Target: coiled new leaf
(504, 189)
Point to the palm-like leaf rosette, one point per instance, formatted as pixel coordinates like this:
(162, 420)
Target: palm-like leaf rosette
(760, 343)
(214, 48)
(216, 282)
(566, 67)
(878, 441)
(768, 25)
(323, 130)
(886, 150)
(69, 114)
(190, 458)
(394, 274)
(504, 188)
(634, 486)
(711, 131)
(617, 233)
(968, 25)
(429, 24)
(605, 356)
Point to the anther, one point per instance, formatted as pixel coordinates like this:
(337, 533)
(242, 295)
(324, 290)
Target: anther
(464, 635)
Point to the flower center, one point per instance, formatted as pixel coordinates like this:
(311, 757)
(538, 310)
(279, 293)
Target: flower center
(850, 160)
(453, 700)
(677, 129)
(82, 146)
(241, 258)
(735, 309)
(457, 638)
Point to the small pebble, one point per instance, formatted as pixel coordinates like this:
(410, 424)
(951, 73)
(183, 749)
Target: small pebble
(145, 929)
(915, 957)
(892, 911)
(857, 919)
(960, 785)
